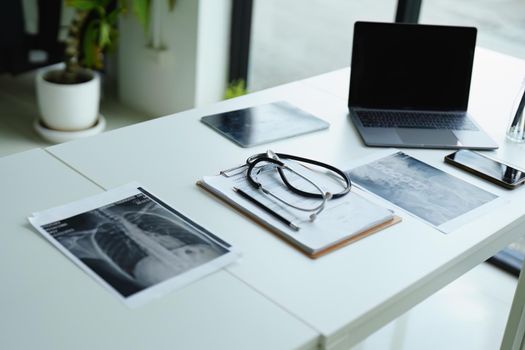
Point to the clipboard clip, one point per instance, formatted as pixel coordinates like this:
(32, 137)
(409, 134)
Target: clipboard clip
(233, 171)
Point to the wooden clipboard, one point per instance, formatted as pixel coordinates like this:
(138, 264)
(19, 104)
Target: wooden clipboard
(395, 219)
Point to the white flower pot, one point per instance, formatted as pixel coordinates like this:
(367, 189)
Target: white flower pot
(68, 107)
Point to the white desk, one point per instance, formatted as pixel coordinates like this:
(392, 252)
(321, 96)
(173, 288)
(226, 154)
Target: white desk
(350, 293)
(46, 302)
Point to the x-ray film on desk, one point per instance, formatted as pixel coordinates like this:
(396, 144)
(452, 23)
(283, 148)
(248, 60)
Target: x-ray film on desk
(426, 192)
(132, 243)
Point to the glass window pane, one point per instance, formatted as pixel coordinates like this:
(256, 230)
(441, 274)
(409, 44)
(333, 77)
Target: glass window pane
(296, 39)
(500, 23)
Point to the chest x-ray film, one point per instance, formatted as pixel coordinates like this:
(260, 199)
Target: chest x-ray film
(132, 243)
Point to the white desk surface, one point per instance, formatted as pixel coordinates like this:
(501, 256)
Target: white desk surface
(46, 302)
(349, 293)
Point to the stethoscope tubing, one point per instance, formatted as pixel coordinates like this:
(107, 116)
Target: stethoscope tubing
(263, 157)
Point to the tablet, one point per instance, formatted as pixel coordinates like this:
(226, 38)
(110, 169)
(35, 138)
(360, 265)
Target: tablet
(264, 123)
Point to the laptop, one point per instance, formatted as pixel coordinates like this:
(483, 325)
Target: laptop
(409, 86)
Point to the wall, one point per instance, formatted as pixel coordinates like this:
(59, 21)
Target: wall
(213, 50)
(190, 71)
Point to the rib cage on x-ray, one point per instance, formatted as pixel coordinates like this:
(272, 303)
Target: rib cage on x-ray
(118, 243)
(153, 223)
(125, 238)
(118, 247)
(135, 243)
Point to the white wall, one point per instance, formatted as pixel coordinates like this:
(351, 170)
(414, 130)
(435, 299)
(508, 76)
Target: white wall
(191, 71)
(213, 50)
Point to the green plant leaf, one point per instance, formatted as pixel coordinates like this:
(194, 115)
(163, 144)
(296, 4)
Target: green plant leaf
(171, 4)
(104, 38)
(236, 88)
(141, 10)
(112, 16)
(90, 46)
(84, 5)
(114, 39)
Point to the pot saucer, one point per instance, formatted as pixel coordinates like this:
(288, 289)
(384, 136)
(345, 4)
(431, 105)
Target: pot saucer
(59, 136)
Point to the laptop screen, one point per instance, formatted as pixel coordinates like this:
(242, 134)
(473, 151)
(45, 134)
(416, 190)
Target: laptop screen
(410, 66)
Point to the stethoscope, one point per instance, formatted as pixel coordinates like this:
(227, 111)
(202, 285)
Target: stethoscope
(276, 159)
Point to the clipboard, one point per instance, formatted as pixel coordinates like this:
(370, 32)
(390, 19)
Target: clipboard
(315, 242)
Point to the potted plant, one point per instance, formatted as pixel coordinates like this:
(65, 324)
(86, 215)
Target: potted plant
(68, 97)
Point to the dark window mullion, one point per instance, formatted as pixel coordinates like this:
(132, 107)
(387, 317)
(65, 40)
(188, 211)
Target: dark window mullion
(240, 34)
(408, 11)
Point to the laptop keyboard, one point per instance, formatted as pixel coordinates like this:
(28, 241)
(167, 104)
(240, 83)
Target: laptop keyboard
(419, 120)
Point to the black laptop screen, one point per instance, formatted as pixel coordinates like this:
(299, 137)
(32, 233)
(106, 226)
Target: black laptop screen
(407, 66)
